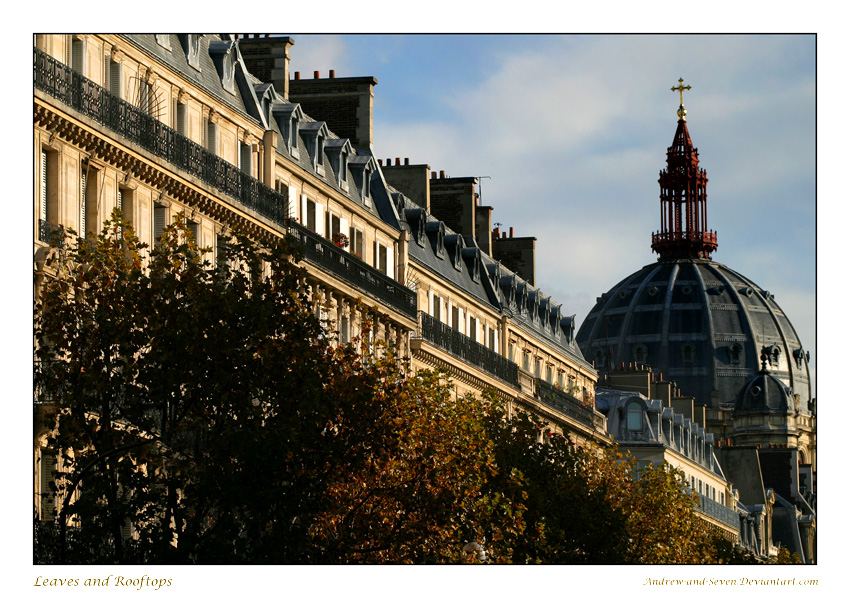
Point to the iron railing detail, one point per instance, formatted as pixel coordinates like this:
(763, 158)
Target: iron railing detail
(354, 271)
(136, 125)
(567, 404)
(717, 511)
(458, 344)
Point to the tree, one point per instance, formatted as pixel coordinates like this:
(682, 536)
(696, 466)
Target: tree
(203, 413)
(208, 410)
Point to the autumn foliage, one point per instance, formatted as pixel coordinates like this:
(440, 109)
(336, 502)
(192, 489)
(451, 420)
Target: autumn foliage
(204, 413)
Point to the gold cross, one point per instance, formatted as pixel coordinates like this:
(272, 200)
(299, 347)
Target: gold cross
(681, 89)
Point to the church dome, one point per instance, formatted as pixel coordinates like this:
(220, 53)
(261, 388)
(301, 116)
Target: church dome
(695, 321)
(699, 323)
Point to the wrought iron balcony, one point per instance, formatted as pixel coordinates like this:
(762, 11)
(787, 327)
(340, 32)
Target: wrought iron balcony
(349, 269)
(717, 511)
(136, 125)
(458, 344)
(567, 404)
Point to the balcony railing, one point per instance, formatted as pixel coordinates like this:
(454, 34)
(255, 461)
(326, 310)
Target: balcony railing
(717, 511)
(458, 344)
(350, 269)
(136, 125)
(567, 404)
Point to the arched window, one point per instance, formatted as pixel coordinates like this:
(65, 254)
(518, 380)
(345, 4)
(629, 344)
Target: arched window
(688, 354)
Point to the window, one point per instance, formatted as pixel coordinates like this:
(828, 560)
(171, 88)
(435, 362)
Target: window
(455, 317)
(344, 329)
(180, 119)
(78, 56)
(640, 353)
(492, 340)
(735, 352)
(538, 367)
(526, 361)
(310, 218)
(126, 203)
(549, 374)
(47, 477)
(435, 308)
(688, 354)
(88, 202)
(43, 194)
(195, 231)
(164, 40)
(246, 159)
(220, 250)
(383, 259)
(473, 329)
(355, 239)
(113, 80)
(159, 214)
(634, 415)
(212, 136)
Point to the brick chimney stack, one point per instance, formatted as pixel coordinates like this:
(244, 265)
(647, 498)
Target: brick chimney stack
(267, 58)
(344, 103)
(410, 179)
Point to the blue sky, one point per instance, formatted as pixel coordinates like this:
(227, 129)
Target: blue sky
(573, 130)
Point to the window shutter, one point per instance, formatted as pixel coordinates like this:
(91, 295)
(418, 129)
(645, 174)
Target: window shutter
(43, 206)
(115, 78)
(181, 119)
(120, 205)
(390, 271)
(303, 209)
(430, 303)
(212, 137)
(320, 219)
(47, 476)
(158, 222)
(78, 53)
(245, 155)
(82, 230)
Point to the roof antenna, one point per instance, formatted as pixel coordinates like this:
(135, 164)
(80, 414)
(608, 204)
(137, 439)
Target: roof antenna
(479, 185)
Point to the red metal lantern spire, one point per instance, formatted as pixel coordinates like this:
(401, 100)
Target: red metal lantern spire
(684, 230)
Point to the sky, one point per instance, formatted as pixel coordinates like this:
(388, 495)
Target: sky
(569, 132)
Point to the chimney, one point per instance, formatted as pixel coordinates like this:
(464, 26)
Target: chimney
(453, 202)
(412, 180)
(267, 58)
(483, 228)
(517, 254)
(344, 103)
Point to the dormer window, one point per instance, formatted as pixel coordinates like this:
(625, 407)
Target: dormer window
(191, 43)
(362, 168)
(288, 118)
(164, 40)
(339, 151)
(634, 415)
(314, 135)
(223, 54)
(688, 354)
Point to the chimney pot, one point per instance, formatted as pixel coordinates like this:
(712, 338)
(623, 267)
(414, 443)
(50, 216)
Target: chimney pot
(504, 235)
(434, 175)
(407, 161)
(297, 76)
(315, 74)
(442, 174)
(398, 161)
(331, 74)
(512, 232)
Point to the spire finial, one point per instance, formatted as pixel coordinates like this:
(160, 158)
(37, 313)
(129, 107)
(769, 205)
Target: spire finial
(681, 89)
